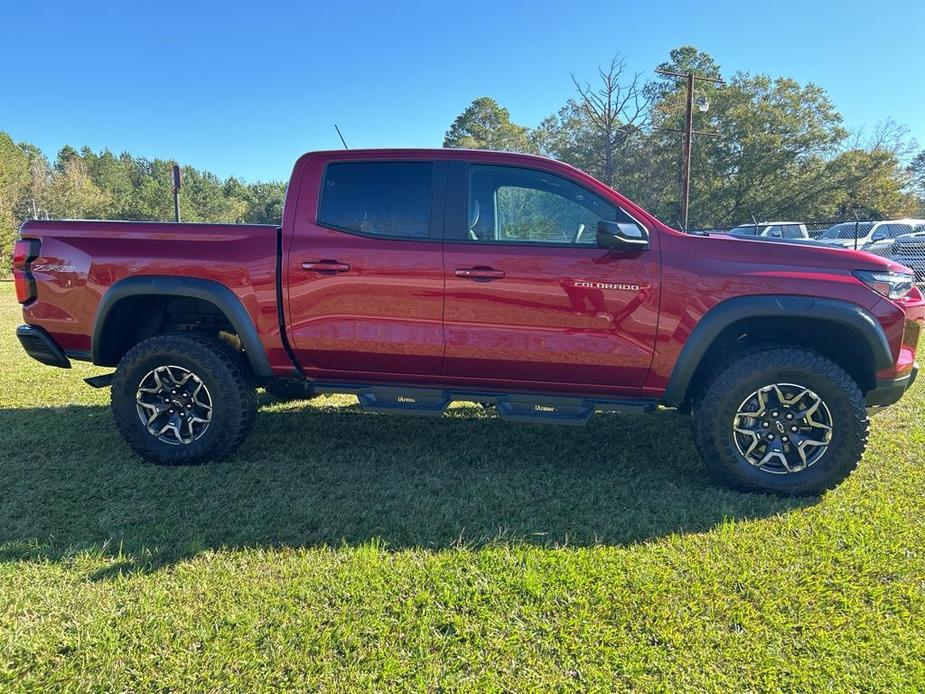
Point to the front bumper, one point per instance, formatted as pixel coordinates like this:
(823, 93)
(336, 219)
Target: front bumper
(890, 391)
(41, 346)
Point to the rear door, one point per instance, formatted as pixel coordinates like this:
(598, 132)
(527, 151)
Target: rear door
(530, 297)
(365, 270)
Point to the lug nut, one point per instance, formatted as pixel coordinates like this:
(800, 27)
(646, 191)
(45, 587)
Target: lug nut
(789, 415)
(775, 413)
(770, 437)
(785, 439)
(794, 429)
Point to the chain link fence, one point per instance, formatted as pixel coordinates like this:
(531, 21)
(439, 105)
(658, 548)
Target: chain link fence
(900, 240)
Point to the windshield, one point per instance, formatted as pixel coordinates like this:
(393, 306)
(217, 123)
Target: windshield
(745, 229)
(846, 230)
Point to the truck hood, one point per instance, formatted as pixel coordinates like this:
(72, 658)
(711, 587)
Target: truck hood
(843, 243)
(806, 253)
(771, 239)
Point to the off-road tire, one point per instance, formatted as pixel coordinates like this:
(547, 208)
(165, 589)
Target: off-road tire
(223, 372)
(715, 412)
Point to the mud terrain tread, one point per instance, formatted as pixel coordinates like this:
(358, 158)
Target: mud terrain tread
(714, 412)
(235, 400)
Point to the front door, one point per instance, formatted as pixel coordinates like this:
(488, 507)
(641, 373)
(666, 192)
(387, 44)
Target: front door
(365, 272)
(531, 300)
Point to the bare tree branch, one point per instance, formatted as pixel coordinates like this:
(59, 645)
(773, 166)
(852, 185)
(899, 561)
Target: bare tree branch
(617, 109)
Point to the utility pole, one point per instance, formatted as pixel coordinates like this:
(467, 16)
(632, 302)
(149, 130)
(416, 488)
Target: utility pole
(689, 132)
(177, 184)
(686, 151)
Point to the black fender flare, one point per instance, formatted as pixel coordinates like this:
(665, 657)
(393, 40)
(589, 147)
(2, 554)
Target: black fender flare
(207, 290)
(724, 314)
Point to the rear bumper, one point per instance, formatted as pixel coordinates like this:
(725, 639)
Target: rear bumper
(890, 391)
(41, 346)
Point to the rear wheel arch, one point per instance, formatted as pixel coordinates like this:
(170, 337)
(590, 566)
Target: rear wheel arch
(145, 303)
(844, 332)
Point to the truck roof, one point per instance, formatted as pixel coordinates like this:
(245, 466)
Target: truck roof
(430, 153)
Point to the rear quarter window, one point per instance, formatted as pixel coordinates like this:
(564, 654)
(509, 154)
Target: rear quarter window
(388, 199)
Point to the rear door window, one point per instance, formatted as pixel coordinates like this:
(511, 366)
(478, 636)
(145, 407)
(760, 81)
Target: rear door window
(386, 199)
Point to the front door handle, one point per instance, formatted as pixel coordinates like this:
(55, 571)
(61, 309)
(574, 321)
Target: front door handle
(479, 273)
(326, 266)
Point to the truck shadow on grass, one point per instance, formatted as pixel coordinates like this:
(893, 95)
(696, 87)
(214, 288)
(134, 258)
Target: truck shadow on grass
(313, 476)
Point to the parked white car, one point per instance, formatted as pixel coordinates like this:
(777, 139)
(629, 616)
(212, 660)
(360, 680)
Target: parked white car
(875, 237)
(777, 230)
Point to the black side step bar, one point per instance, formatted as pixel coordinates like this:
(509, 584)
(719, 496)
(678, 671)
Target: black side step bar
(412, 401)
(515, 407)
(103, 381)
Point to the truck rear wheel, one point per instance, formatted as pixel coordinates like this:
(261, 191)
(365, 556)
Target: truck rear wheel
(182, 398)
(782, 420)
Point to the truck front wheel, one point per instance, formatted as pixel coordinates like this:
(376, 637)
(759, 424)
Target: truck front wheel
(782, 420)
(182, 398)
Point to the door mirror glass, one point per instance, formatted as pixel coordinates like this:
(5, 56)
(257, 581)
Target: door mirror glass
(622, 236)
(879, 236)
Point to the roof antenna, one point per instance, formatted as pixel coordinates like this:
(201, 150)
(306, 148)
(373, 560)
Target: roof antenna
(340, 136)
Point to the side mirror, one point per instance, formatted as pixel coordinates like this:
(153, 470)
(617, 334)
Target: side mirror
(622, 236)
(879, 236)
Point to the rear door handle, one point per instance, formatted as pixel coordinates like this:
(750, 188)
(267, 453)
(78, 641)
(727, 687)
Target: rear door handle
(479, 273)
(326, 266)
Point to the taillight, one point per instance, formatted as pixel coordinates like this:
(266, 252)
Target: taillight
(24, 253)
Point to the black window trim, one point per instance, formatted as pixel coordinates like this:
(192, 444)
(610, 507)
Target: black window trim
(466, 177)
(438, 183)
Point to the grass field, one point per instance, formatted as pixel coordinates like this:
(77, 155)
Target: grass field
(340, 550)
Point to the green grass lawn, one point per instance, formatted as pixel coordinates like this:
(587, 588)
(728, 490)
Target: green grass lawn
(344, 550)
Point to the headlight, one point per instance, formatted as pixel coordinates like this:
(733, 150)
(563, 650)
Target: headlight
(892, 285)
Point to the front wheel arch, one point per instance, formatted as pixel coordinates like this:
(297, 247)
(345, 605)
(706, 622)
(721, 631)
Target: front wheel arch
(844, 332)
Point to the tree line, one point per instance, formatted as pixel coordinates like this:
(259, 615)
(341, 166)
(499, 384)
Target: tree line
(778, 150)
(102, 185)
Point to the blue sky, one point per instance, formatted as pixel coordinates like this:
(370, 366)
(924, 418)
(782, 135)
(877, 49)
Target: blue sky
(243, 88)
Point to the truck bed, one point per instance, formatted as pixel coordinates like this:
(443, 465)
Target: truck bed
(80, 260)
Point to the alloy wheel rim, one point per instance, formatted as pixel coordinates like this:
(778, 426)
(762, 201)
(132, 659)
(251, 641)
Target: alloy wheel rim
(782, 428)
(174, 405)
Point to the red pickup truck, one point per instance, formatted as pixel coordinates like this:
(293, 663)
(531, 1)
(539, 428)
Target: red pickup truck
(412, 278)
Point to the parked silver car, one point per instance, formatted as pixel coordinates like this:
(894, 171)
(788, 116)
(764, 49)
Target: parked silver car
(875, 237)
(776, 230)
(909, 250)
